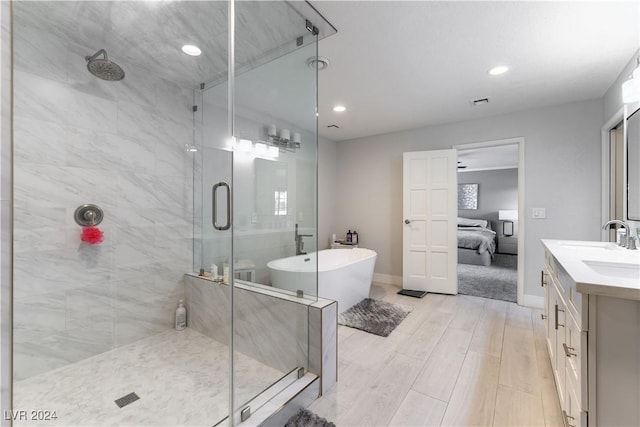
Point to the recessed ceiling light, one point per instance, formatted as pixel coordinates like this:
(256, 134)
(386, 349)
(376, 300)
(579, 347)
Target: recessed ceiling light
(192, 50)
(339, 108)
(500, 69)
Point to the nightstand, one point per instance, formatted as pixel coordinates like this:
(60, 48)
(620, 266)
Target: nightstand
(507, 245)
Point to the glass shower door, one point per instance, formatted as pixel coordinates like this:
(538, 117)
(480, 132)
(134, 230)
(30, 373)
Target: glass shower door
(274, 198)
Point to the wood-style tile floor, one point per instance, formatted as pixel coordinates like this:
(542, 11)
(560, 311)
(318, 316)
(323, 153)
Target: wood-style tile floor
(454, 361)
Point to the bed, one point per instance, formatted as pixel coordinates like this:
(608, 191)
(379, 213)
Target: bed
(476, 241)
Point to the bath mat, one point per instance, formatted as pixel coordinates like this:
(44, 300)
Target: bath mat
(374, 316)
(306, 418)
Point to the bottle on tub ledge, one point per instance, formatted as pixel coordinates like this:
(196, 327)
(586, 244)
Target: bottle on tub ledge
(181, 316)
(214, 271)
(354, 237)
(349, 237)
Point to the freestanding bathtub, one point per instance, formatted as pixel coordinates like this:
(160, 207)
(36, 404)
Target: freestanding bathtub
(344, 275)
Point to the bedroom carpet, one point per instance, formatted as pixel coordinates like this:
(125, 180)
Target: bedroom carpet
(374, 316)
(497, 281)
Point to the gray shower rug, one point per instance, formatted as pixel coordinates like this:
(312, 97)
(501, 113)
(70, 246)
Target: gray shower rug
(306, 418)
(374, 316)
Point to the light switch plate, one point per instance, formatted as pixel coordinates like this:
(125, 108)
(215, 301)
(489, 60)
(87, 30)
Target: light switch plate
(538, 213)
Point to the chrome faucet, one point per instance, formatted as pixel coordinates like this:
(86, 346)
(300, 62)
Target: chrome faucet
(299, 242)
(626, 240)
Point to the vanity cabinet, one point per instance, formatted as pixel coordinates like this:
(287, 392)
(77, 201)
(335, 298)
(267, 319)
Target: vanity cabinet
(593, 340)
(555, 326)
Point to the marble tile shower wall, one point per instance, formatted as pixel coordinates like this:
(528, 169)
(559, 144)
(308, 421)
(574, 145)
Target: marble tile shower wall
(288, 322)
(120, 145)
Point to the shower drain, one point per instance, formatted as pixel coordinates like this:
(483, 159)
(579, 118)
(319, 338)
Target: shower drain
(125, 400)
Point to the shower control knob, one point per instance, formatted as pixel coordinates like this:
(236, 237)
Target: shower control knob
(88, 215)
(406, 221)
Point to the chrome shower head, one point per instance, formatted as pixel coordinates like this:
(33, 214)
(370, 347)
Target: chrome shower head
(103, 68)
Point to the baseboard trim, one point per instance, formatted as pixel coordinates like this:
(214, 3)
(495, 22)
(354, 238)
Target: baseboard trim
(387, 278)
(533, 301)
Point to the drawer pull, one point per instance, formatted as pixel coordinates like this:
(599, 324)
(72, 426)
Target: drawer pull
(567, 418)
(556, 320)
(567, 350)
(542, 282)
(542, 316)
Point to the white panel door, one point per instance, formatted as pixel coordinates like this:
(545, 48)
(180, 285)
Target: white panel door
(430, 211)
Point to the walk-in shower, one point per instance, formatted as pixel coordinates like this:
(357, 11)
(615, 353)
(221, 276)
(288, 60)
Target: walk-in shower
(94, 341)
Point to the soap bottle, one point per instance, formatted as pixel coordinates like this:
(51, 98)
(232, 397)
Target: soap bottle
(181, 316)
(214, 271)
(354, 237)
(349, 236)
(225, 272)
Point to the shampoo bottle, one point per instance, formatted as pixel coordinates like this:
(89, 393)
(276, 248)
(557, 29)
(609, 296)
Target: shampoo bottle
(354, 237)
(349, 236)
(181, 316)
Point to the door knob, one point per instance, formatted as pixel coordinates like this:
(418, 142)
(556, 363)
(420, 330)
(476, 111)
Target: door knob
(406, 221)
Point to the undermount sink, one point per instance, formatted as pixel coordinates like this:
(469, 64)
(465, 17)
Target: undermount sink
(614, 269)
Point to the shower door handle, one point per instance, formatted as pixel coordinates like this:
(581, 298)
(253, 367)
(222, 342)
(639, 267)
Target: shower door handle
(214, 208)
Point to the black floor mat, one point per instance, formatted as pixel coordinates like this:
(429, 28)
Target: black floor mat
(410, 293)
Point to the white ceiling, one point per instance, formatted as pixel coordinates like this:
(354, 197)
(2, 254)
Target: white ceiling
(396, 65)
(400, 65)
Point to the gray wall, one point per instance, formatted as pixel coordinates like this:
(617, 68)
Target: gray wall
(562, 174)
(497, 190)
(327, 188)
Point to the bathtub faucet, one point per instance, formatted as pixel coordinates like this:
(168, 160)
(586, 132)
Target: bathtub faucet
(299, 242)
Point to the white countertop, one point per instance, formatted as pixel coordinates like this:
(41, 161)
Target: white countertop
(599, 268)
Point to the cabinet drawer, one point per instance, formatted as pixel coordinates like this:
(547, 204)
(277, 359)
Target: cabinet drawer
(574, 349)
(550, 263)
(548, 297)
(560, 362)
(577, 303)
(573, 414)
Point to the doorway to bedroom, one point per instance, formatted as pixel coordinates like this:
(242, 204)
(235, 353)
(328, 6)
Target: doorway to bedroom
(488, 226)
